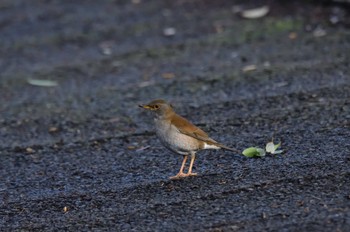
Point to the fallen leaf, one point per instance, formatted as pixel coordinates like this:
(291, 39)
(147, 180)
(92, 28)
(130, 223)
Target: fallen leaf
(272, 148)
(253, 152)
(42, 83)
(249, 68)
(145, 84)
(143, 148)
(255, 13)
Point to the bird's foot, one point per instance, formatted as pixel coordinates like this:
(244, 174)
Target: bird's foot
(178, 176)
(191, 174)
(182, 175)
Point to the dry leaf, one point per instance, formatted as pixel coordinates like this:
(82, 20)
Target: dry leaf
(249, 68)
(143, 148)
(42, 83)
(255, 13)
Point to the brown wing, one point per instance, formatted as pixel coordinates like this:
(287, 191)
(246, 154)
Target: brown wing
(187, 128)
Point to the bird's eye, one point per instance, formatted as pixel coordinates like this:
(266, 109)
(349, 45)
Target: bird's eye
(156, 106)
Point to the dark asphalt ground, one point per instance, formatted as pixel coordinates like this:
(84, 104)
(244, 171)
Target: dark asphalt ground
(81, 156)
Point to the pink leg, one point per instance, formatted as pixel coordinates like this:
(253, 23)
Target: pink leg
(193, 157)
(181, 172)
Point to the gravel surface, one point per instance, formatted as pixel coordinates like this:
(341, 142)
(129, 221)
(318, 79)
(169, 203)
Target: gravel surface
(81, 156)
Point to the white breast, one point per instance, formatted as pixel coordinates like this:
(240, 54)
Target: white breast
(173, 139)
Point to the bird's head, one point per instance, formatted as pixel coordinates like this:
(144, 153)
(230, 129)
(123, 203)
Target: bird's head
(159, 107)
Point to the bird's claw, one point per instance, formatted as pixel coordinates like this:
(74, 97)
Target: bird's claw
(178, 176)
(191, 174)
(182, 175)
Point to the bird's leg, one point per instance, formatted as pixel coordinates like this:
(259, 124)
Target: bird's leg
(181, 172)
(190, 173)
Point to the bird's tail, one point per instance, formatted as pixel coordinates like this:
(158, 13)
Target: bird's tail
(212, 144)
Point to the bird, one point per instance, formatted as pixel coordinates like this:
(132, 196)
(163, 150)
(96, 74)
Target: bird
(179, 135)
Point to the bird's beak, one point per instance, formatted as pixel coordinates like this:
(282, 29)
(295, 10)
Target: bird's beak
(145, 106)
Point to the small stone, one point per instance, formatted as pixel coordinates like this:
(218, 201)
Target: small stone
(106, 47)
(30, 150)
(334, 19)
(264, 215)
(168, 75)
(319, 32)
(292, 35)
(53, 129)
(169, 31)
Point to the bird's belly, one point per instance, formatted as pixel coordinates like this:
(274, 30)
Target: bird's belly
(176, 141)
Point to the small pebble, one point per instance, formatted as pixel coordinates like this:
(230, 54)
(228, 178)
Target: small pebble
(169, 31)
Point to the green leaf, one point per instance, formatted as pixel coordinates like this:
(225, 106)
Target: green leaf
(277, 146)
(272, 148)
(261, 152)
(277, 152)
(253, 152)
